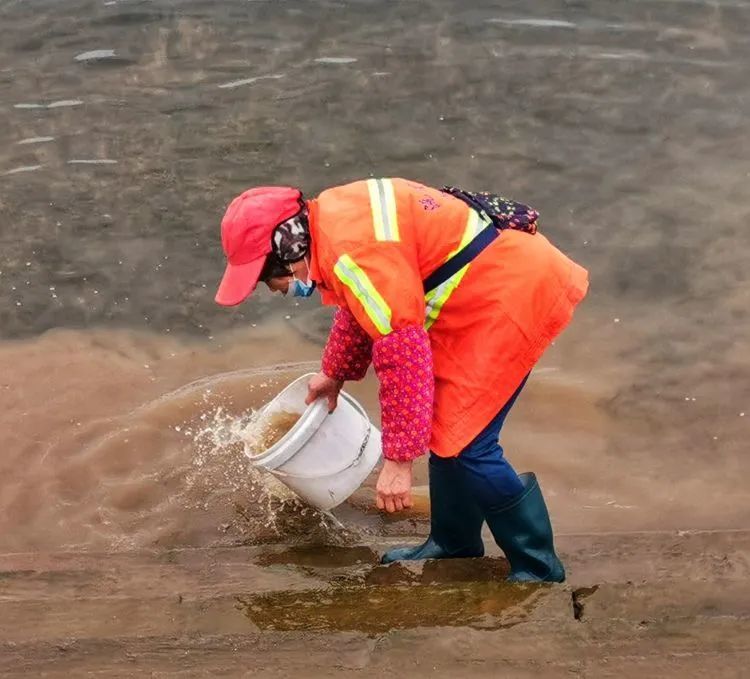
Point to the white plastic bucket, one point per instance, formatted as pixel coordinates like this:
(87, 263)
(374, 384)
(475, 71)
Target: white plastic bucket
(324, 457)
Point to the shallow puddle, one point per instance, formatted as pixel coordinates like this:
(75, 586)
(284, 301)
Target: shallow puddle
(378, 609)
(465, 570)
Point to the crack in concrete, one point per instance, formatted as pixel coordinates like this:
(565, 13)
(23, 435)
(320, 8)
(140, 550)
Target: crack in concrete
(577, 596)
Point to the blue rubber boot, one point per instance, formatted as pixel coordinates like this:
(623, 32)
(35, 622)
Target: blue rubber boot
(522, 529)
(455, 519)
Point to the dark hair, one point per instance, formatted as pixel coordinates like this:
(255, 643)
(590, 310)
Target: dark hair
(274, 268)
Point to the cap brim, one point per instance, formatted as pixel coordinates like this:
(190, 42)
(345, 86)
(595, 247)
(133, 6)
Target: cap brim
(239, 282)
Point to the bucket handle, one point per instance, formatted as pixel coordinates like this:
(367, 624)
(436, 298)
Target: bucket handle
(353, 463)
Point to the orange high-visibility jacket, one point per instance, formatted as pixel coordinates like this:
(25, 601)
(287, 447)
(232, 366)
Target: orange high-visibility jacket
(375, 241)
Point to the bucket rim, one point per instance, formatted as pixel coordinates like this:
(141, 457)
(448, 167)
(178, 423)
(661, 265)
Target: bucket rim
(362, 448)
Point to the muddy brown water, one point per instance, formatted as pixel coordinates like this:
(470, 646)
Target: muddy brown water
(486, 605)
(125, 128)
(274, 428)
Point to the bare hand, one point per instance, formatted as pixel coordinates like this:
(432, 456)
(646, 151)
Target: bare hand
(322, 386)
(394, 486)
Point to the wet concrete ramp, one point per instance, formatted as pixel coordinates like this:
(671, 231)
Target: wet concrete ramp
(641, 604)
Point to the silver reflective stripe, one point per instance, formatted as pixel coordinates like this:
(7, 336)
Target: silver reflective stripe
(351, 275)
(436, 299)
(383, 208)
(387, 228)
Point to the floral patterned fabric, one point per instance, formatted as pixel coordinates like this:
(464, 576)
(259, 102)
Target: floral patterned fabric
(403, 363)
(505, 213)
(348, 352)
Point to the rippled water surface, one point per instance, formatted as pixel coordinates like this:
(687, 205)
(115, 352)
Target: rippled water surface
(126, 127)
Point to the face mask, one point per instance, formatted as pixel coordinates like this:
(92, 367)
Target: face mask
(299, 289)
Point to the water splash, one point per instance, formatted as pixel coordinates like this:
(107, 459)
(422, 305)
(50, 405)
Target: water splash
(223, 443)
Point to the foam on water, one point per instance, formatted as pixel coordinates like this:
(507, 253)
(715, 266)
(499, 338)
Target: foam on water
(95, 54)
(23, 168)
(35, 140)
(248, 81)
(335, 60)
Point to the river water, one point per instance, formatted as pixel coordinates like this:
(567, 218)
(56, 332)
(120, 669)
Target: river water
(126, 127)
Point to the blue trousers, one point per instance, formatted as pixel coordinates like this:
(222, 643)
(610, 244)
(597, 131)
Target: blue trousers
(488, 476)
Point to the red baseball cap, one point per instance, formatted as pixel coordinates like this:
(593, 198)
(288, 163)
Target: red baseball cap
(246, 231)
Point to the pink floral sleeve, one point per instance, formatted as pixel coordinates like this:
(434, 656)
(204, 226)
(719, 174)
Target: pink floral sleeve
(403, 363)
(348, 352)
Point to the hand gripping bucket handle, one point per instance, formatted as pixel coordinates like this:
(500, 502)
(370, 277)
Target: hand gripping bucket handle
(353, 463)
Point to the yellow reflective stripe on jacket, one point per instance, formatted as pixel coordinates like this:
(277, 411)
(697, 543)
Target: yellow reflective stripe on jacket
(436, 298)
(351, 275)
(383, 206)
